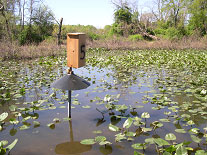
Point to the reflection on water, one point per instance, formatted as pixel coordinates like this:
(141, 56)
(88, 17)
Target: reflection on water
(71, 147)
(106, 149)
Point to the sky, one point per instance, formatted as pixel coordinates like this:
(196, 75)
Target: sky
(86, 12)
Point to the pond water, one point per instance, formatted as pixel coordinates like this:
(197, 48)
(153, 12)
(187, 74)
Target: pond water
(156, 98)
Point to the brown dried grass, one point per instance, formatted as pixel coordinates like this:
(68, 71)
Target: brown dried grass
(14, 51)
(122, 43)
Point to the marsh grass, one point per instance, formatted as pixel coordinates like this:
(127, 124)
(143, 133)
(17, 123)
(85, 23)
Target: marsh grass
(14, 51)
(124, 43)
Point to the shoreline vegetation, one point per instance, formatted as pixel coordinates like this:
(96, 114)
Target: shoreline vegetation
(31, 51)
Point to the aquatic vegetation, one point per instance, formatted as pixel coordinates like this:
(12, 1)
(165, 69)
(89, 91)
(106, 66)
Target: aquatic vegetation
(152, 101)
(3, 143)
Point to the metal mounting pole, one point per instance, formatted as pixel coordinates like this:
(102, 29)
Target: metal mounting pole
(69, 95)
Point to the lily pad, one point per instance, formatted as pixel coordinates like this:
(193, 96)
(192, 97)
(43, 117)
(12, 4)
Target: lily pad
(3, 116)
(170, 136)
(145, 115)
(88, 142)
(127, 124)
(113, 127)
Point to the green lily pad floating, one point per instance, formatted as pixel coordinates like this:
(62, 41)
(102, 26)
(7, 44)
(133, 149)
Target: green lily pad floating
(161, 142)
(56, 120)
(14, 121)
(170, 136)
(146, 129)
(75, 102)
(3, 142)
(145, 115)
(130, 134)
(139, 146)
(3, 116)
(12, 108)
(181, 150)
(164, 120)
(62, 107)
(66, 119)
(24, 127)
(194, 131)
(139, 106)
(51, 125)
(36, 124)
(17, 96)
(11, 146)
(105, 143)
(99, 139)
(88, 142)
(113, 128)
(97, 132)
(201, 152)
(190, 122)
(127, 124)
(180, 130)
(195, 139)
(138, 153)
(120, 137)
(149, 141)
(121, 107)
(86, 107)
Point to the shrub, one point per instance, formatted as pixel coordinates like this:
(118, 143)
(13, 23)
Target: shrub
(93, 36)
(160, 31)
(173, 33)
(28, 35)
(136, 37)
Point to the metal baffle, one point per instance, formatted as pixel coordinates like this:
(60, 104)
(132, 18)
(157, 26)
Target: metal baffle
(70, 82)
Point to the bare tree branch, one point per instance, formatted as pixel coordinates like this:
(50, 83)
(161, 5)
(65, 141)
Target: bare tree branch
(51, 14)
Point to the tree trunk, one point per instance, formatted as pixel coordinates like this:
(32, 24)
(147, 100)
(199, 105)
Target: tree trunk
(59, 32)
(23, 14)
(6, 21)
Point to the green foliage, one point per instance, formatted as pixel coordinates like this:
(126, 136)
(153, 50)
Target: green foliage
(123, 17)
(3, 149)
(198, 20)
(123, 14)
(116, 29)
(91, 31)
(41, 28)
(136, 37)
(29, 35)
(171, 32)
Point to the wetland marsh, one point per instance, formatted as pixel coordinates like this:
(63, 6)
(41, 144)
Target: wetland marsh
(139, 102)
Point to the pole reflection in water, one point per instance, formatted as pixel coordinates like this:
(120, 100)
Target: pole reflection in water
(72, 147)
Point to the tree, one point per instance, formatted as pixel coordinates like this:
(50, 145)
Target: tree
(43, 20)
(39, 27)
(6, 17)
(123, 18)
(175, 11)
(198, 16)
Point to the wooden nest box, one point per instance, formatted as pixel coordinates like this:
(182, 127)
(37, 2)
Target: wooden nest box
(76, 50)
